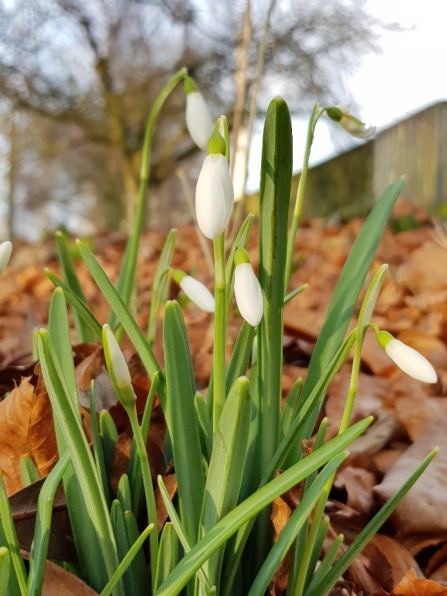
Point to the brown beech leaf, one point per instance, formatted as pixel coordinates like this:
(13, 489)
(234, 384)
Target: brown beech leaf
(26, 427)
(24, 507)
(60, 582)
(411, 585)
(170, 481)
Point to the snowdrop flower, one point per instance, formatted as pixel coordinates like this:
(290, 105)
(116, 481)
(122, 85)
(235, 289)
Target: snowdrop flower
(214, 191)
(195, 290)
(350, 123)
(118, 369)
(5, 254)
(247, 289)
(406, 358)
(198, 119)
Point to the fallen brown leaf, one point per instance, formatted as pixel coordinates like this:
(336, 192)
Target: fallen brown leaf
(411, 585)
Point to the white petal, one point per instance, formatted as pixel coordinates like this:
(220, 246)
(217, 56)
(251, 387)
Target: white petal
(411, 362)
(5, 254)
(198, 293)
(248, 294)
(360, 131)
(198, 119)
(214, 196)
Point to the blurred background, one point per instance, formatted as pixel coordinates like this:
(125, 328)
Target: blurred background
(78, 77)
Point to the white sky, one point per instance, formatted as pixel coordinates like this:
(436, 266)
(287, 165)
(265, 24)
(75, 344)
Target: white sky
(409, 74)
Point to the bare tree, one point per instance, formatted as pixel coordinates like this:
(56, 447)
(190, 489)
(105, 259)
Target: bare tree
(93, 69)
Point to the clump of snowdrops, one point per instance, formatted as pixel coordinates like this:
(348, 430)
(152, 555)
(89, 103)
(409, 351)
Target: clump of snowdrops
(226, 447)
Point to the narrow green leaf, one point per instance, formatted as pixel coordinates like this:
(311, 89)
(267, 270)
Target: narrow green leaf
(5, 565)
(98, 449)
(168, 554)
(119, 529)
(138, 566)
(370, 529)
(39, 547)
(28, 470)
(77, 304)
(123, 493)
(290, 407)
(109, 436)
(159, 283)
(249, 508)
(297, 520)
(346, 293)
(205, 426)
(325, 565)
(8, 539)
(225, 473)
(83, 331)
(181, 418)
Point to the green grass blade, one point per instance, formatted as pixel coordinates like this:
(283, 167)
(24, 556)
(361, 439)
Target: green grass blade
(28, 470)
(119, 529)
(67, 417)
(138, 566)
(346, 293)
(123, 493)
(325, 565)
(205, 426)
(8, 539)
(83, 331)
(297, 520)
(109, 436)
(181, 418)
(98, 449)
(371, 529)
(131, 553)
(39, 547)
(5, 566)
(249, 508)
(159, 283)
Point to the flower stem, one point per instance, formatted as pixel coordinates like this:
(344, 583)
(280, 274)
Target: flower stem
(315, 115)
(219, 330)
(126, 280)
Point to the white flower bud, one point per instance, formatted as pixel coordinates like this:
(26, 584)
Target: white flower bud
(118, 369)
(214, 196)
(406, 358)
(5, 254)
(248, 293)
(198, 293)
(198, 119)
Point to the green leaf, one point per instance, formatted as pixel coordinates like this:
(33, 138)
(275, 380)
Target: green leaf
(249, 508)
(39, 547)
(297, 520)
(28, 470)
(181, 418)
(346, 293)
(5, 566)
(8, 539)
(77, 304)
(370, 530)
(167, 554)
(109, 436)
(159, 283)
(83, 330)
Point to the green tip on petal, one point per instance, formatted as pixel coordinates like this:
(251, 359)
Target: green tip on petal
(216, 144)
(334, 113)
(190, 86)
(241, 256)
(383, 338)
(177, 275)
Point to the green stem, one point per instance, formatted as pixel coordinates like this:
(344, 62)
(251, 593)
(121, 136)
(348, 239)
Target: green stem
(219, 330)
(315, 115)
(148, 489)
(126, 281)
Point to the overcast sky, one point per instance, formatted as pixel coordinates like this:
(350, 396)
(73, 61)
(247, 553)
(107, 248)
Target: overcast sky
(409, 74)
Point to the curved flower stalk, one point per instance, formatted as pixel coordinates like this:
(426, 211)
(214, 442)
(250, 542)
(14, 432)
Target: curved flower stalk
(5, 254)
(195, 290)
(406, 358)
(352, 125)
(247, 289)
(214, 191)
(198, 119)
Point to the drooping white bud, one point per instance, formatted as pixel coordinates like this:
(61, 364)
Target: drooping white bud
(407, 359)
(118, 369)
(247, 289)
(198, 118)
(214, 196)
(195, 290)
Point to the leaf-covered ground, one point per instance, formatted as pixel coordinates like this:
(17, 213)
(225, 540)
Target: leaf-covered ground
(410, 418)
